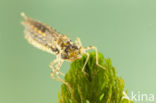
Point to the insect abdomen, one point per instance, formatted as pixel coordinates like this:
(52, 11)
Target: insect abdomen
(40, 35)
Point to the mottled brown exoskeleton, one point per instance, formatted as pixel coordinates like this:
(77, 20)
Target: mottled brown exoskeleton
(46, 38)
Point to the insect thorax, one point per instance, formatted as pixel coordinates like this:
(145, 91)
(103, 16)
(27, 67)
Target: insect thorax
(69, 51)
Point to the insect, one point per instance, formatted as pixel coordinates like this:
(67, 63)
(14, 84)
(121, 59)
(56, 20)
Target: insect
(47, 39)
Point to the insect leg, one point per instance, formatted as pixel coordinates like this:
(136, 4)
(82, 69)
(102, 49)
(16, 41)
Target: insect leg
(56, 69)
(53, 69)
(94, 48)
(78, 42)
(83, 69)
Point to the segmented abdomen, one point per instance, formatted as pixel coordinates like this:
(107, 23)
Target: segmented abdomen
(40, 35)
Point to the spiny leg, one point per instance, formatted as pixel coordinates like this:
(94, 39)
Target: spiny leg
(53, 68)
(58, 73)
(78, 42)
(58, 66)
(56, 70)
(83, 69)
(97, 61)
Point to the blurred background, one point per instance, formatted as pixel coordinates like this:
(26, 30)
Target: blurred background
(123, 30)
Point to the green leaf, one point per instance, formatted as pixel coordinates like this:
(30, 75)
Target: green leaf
(98, 86)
